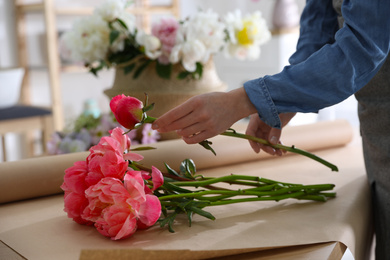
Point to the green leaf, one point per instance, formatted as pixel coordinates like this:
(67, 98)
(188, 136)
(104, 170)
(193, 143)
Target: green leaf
(183, 75)
(122, 23)
(114, 34)
(148, 108)
(173, 187)
(187, 168)
(190, 213)
(129, 68)
(144, 148)
(141, 68)
(202, 213)
(171, 171)
(164, 71)
(207, 145)
(168, 221)
(199, 70)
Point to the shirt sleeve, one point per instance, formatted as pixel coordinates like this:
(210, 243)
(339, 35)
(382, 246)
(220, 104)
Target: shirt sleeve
(329, 65)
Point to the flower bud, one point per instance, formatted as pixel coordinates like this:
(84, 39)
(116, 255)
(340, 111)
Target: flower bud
(127, 110)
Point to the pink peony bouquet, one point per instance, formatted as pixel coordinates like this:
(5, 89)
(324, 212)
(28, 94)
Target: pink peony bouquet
(110, 38)
(115, 193)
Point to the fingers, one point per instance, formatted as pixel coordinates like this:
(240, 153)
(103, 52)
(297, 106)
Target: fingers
(274, 138)
(173, 119)
(197, 137)
(258, 128)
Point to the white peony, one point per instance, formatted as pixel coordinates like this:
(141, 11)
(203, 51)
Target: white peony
(197, 39)
(110, 9)
(189, 53)
(88, 40)
(246, 35)
(150, 43)
(208, 29)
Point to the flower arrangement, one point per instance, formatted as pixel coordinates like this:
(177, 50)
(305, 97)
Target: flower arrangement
(113, 191)
(87, 131)
(110, 38)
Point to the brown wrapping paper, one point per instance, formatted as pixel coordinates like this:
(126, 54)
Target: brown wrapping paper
(39, 229)
(43, 176)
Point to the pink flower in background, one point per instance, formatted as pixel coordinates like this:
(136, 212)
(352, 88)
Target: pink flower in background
(149, 136)
(127, 110)
(166, 31)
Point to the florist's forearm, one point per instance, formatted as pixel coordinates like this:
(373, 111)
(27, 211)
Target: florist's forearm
(241, 103)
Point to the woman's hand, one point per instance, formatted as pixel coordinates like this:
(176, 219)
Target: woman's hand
(258, 128)
(206, 115)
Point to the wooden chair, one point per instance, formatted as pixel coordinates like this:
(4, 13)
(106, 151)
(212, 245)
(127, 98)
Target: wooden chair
(20, 118)
(26, 120)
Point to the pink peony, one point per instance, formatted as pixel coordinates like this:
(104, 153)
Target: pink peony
(108, 157)
(117, 222)
(149, 212)
(119, 208)
(157, 178)
(74, 179)
(74, 186)
(127, 110)
(75, 204)
(166, 31)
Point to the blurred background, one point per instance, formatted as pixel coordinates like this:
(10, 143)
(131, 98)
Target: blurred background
(77, 88)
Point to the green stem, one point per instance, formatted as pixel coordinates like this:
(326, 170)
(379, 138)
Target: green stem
(233, 133)
(310, 189)
(231, 179)
(282, 147)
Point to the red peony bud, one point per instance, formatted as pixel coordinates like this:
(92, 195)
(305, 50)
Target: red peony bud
(127, 110)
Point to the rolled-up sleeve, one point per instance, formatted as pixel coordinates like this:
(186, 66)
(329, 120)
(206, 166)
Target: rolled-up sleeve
(329, 65)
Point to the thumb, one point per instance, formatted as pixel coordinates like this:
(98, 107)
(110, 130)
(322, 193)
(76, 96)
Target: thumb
(274, 135)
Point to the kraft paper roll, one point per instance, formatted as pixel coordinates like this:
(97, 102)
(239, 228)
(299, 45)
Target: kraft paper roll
(43, 176)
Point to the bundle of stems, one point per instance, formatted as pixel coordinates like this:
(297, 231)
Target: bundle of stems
(188, 193)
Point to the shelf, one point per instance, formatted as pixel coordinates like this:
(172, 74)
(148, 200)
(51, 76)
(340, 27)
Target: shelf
(27, 8)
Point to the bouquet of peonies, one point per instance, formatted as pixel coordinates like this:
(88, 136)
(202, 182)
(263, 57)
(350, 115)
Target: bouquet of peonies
(113, 191)
(110, 38)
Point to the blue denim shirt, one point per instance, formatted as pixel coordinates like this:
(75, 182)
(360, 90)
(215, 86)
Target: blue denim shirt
(330, 64)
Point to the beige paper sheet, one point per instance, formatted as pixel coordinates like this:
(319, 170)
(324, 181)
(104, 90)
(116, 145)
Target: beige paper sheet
(43, 176)
(39, 229)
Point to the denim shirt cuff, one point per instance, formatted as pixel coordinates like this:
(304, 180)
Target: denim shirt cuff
(260, 97)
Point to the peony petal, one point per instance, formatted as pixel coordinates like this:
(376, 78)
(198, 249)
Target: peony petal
(133, 157)
(134, 184)
(114, 102)
(149, 212)
(157, 178)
